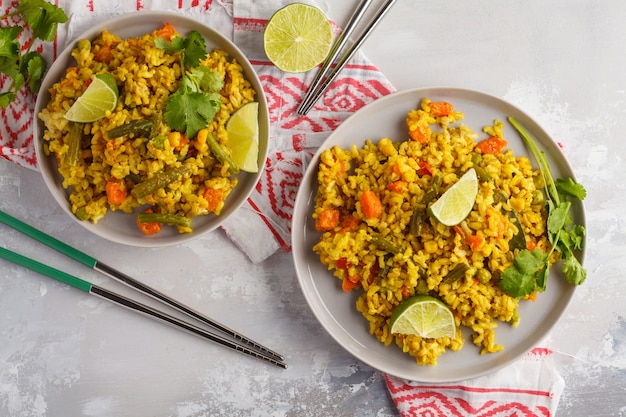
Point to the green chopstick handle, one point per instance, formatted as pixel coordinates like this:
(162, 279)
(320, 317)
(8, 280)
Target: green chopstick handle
(46, 270)
(47, 240)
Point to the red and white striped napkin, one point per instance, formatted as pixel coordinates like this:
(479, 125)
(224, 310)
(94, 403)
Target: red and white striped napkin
(529, 387)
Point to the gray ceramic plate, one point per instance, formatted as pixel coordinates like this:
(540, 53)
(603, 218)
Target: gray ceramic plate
(336, 310)
(120, 227)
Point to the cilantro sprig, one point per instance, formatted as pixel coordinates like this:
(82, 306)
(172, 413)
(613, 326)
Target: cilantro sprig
(29, 67)
(530, 269)
(194, 105)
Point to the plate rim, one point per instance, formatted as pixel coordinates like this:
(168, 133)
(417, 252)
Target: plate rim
(311, 291)
(53, 179)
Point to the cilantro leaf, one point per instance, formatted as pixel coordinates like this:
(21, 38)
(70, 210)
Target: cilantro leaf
(527, 274)
(42, 18)
(557, 217)
(9, 45)
(570, 187)
(529, 269)
(195, 49)
(33, 68)
(196, 101)
(574, 272)
(208, 80)
(190, 112)
(177, 44)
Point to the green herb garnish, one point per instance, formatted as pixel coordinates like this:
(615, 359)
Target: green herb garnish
(194, 105)
(28, 68)
(530, 269)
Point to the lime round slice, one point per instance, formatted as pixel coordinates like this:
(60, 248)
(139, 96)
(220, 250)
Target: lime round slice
(297, 37)
(456, 203)
(243, 137)
(424, 316)
(99, 98)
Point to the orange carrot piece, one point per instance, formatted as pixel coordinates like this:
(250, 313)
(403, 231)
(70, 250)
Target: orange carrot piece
(440, 108)
(166, 32)
(493, 145)
(420, 132)
(349, 223)
(103, 54)
(474, 241)
(347, 285)
(370, 204)
(327, 220)
(397, 186)
(213, 197)
(425, 169)
(116, 192)
(148, 228)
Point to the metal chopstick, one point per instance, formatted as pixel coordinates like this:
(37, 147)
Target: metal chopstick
(303, 110)
(334, 52)
(129, 281)
(131, 304)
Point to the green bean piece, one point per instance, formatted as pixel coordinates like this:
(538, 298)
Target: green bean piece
(171, 219)
(74, 144)
(420, 212)
(518, 240)
(417, 218)
(386, 245)
(151, 185)
(221, 154)
(157, 122)
(432, 190)
(456, 273)
(134, 126)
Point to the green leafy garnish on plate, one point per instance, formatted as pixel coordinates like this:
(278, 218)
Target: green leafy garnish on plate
(530, 269)
(194, 105)
(28, 68)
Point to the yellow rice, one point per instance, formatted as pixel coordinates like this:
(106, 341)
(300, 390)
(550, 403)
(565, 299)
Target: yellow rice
(145, 76)
(423, 263)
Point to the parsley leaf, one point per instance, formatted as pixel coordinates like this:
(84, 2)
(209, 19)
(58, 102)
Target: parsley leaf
(194, 105)
(530, 269)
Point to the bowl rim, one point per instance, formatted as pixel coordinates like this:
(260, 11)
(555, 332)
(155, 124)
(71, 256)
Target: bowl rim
(136, 24)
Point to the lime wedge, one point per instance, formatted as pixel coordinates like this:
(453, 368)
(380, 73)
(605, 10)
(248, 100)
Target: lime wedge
(297, 37)
(456, 203)
(98, 99)
(243, 137)
(424, 316)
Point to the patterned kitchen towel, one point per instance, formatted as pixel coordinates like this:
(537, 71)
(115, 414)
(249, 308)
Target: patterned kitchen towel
(530, 387)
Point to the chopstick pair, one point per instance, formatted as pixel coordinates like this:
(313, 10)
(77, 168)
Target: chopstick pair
(234, 340)
(325, 76)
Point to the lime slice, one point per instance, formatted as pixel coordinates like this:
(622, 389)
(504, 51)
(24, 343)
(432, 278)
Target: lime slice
(243, 137)
(297, 37)
(98, 99)
(423, 316)
(456, 203)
